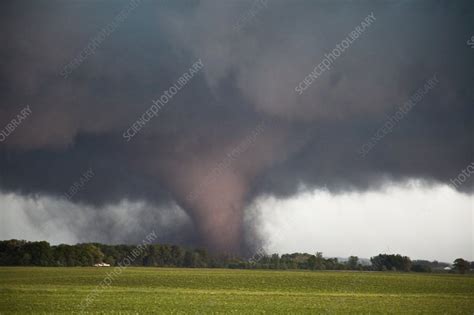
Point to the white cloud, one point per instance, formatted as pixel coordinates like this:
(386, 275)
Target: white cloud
(60, 221)
(419, 221)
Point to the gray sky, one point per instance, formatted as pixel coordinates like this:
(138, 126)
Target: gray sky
(340, 89)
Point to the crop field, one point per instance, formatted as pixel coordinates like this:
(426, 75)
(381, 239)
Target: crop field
(197, 291)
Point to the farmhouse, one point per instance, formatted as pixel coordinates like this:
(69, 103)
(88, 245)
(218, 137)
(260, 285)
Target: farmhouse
(102, 265)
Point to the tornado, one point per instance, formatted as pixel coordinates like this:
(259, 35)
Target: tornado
(236, 130)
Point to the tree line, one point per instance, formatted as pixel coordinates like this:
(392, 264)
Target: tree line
(25, 253)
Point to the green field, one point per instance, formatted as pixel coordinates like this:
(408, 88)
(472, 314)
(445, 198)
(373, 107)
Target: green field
(197, 291)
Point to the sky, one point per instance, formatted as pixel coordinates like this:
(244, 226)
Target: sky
(117, 118)
(434, 223)
(422, 222)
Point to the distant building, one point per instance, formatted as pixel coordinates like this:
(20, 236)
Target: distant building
(102, 265)
(447, 268)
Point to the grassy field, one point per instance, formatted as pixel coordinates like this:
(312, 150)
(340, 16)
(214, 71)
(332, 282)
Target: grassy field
(197, 291)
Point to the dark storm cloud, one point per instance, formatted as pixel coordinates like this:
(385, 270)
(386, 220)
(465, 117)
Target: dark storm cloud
(249, 76)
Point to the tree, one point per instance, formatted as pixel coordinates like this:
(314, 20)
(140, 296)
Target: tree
(40, 253)
(461, 265)
(320, 265)
(378, 262)
(312, 262)
(88, 255)
(353, 262)
(406, 263)
(275, 261)
(189, 259)
(178, 255)
(391, 262)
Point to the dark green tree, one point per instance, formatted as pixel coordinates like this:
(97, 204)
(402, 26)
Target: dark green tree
(353, 262)
(461, 265)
